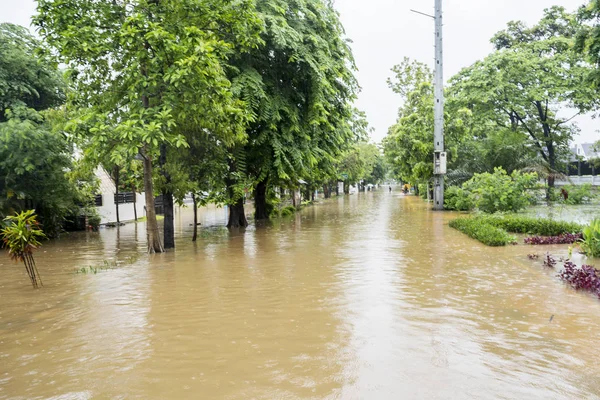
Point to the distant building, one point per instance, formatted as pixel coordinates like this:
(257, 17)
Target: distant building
(106, 201)
(584, 152)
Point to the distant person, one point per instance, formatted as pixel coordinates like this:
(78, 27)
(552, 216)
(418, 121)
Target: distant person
(390, 189)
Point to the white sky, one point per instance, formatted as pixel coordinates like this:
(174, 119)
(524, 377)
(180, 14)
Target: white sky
(385, 31)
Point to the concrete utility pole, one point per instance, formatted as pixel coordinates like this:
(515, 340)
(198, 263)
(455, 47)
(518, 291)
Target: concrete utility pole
(439, 163)
(439, 154)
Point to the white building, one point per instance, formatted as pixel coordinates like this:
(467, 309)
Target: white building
(584, 151)
(106, 201)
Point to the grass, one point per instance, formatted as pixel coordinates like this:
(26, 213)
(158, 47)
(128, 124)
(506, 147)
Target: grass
(483, 232)
(493, 230)
(529, 225)
(105, 266)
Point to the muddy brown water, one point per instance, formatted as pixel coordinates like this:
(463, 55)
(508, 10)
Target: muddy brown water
(371, 296)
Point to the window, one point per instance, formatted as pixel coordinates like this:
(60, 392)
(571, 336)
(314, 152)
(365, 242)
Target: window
(98, 200)
(124, 198)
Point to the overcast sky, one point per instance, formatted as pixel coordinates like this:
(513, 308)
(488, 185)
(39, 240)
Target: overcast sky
(385, 31)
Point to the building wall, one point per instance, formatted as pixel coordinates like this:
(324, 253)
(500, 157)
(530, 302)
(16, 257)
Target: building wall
(108, 210)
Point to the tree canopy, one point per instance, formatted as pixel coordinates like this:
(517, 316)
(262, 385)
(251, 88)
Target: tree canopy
(534, 83)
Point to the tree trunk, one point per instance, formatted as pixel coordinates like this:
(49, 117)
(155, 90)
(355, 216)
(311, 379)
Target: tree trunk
(168, 207)
(134, 191)
(326, 192)
(260, 201)
(169, 224)
(346, 187)
(152, 232)
(237, 216)
(337, 188)
(116, 177)
(195, 236)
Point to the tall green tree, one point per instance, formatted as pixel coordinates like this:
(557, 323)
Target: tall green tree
(27, 79)
(300, 86)
(35, 160)
(588, 38)
(141, 68)
(531, 82)
(408, 147)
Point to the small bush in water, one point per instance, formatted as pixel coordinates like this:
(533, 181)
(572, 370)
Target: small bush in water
(287, 211)
(458, 199)
(482, 231)
(591, 239)
(500, 192)
(586, 278)
(579, 194)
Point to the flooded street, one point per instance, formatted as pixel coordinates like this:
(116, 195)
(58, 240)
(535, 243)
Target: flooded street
(370, 296)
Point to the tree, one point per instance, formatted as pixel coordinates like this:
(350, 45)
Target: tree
(35, 160)
(26, 79)
(532, 79)
(299, 86)
(588, 38)
(408, 148)
(142, 68)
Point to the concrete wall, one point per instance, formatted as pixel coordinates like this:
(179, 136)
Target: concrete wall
(579, 180)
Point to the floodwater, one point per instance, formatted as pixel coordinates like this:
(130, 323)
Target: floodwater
(371, 296)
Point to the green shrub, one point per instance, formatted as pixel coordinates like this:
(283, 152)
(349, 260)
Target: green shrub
(287, 211)
(500, 192)
(457, 199)
(579, 194)
(422, 190)
(93, 217)
(530, 225)
(591, 239)
(486, 233)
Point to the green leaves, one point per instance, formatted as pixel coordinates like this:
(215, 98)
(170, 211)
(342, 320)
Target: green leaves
(22, 234)
(529, 83)
(297, 86)
(588, 39)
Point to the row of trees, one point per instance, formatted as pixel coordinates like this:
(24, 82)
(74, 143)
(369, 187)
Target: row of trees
(217, 98)
(512, 110)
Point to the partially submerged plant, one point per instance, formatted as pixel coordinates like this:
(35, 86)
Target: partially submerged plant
(586, 278)
(591, 239)
(22, 236)
(566, 238)
(549, 261)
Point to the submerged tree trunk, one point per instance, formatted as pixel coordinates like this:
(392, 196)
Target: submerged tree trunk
(152, 232)
(168, 206)
(195, 236)
(237, 216)
(260, 201)
(134, 191)
(337, 188)
(346, 187)
(116, 178)
(169, 224)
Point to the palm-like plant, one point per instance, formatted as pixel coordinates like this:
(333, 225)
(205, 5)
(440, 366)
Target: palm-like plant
(22, 236)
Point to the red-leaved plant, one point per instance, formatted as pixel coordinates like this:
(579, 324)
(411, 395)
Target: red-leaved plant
(567, 238)
(586, 278)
